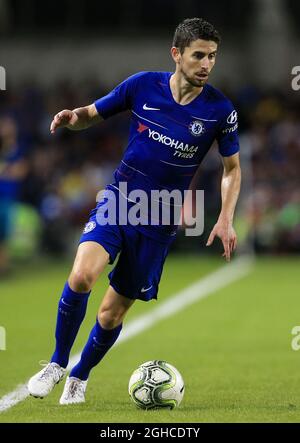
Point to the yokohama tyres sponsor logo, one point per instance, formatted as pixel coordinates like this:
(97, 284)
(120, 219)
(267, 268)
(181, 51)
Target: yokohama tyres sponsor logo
(168, 141)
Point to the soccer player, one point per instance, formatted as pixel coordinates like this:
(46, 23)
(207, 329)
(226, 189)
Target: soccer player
(175, 117)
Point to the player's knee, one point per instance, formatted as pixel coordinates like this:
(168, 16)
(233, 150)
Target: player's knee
(110, 319)
(81, 280)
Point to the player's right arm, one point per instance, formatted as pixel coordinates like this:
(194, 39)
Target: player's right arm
(118, 100)
(77, 119)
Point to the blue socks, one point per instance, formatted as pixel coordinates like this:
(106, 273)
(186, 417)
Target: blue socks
(71, 311)
(99, 342)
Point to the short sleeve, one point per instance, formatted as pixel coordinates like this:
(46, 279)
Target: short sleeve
(120, 98)
(227, 137)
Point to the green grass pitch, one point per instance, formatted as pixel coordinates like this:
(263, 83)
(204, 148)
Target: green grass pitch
(233, 348)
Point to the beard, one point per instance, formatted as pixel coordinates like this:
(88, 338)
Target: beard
(196, 82)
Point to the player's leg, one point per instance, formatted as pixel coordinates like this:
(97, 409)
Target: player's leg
(136, 276)
(90, 261)
(102, 337)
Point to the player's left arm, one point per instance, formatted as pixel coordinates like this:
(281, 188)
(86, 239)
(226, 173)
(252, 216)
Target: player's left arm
(230, 189)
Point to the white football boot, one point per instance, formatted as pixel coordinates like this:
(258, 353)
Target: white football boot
(74, 391)
(42, 383)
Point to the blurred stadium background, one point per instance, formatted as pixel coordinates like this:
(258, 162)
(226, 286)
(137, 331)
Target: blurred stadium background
(66, 54)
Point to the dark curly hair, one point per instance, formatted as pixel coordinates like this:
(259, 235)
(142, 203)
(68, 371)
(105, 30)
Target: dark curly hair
(192, 29)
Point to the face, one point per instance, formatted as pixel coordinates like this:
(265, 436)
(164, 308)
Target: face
(196, 61)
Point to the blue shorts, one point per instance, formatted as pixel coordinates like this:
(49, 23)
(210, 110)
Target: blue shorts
(139, 267)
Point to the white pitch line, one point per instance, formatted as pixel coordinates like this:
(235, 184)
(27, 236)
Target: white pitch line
(198, 290)
(14, 397)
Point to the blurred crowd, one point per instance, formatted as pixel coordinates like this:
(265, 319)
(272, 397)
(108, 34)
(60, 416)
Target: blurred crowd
(48, 183)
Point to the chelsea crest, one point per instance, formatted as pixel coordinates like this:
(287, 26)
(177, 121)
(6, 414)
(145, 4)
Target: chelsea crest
(196, 127)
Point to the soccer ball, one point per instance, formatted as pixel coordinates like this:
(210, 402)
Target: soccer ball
(156, 384)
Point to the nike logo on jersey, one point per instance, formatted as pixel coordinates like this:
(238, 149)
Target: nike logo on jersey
(146, 289)
(147, 108)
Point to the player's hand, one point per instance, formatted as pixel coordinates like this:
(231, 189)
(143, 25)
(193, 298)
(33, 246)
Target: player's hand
(63, 119)
(226, 233)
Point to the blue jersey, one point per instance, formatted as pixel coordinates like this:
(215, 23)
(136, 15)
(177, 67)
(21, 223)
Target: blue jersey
(167, 141)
